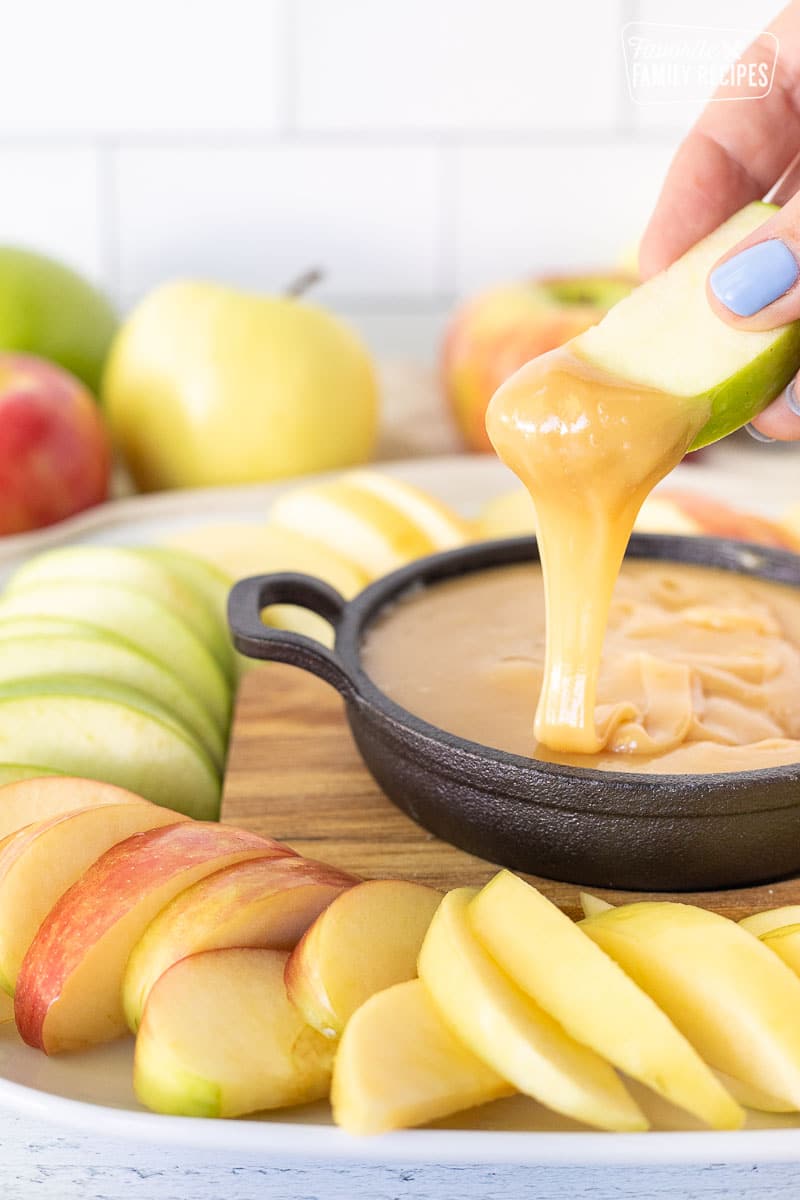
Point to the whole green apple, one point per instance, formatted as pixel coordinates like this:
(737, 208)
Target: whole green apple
(208, 385)
(49, 310)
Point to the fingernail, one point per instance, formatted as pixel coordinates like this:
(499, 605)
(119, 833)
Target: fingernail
(755, 277)
(792, 402)
(757, 435)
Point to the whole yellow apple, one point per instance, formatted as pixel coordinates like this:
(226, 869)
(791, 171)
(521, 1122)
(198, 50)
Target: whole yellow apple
(496, 332)
(209, 385)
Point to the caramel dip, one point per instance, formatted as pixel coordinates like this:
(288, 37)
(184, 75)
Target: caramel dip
(700, 669)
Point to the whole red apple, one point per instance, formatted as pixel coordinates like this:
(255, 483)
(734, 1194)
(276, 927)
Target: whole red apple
(493, 334)
(55, 454)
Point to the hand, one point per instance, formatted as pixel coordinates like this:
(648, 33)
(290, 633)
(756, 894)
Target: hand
(736, 153)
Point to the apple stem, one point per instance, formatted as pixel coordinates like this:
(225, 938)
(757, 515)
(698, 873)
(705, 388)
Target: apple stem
(302, 284)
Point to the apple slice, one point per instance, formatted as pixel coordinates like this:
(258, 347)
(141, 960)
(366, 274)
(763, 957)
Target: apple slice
(785, 942)
(399, 1065)
(366, 940)
(593, 905)
(445, 528)
(509, 515)
(139, 619)
(267, 903)
(510, 1032)
(553, 962)
(771, 918)
(198, 573)
(45, 858)
(39, 797)
(69, 989)
(16, 772)
(220, 1038)
(242, 549)
(91, 727)
(117, 565)
(666, 336)
(355, 523)
(730, 996)
(102, 656)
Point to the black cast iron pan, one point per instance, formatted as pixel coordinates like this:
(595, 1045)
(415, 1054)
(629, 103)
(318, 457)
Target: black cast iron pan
(600, 828)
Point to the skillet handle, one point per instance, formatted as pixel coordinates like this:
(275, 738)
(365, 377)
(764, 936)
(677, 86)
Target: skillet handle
(255, 639)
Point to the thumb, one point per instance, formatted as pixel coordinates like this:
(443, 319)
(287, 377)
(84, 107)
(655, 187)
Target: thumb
(756, 285)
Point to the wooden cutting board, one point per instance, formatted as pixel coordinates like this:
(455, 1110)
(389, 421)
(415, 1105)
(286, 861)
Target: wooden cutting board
(294, 773)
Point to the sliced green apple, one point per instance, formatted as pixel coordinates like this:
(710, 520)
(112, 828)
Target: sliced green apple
(139, 619)
(666, 336)
(114, 564)
(101, 730)
(206, 579)
(105, 657)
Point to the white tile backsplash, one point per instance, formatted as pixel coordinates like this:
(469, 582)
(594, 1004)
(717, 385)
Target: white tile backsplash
(456, 64)
(142, 66)
(369, 217)
(49, 201)
(415, 149)
(526, 210)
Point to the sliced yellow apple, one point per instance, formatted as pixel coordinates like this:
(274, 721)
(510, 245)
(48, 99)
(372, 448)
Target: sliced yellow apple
(241, 549)
(552, 961)
(510, 1032)
(221, 1038)
(69, 988)
(771, 918)
(445, 528)
(366, 940)
(734, 1000)
(399, 1065)
(48, 794)
(45, 858)
(785, 943)
(267, 903)
(369, 530)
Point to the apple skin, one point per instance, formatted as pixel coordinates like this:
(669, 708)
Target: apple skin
(496, 332)
(69, 989)
(263, 902)
(49, 310)
(206, 385)
(55, 454)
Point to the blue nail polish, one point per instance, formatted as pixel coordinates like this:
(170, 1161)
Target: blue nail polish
(755, 277)
(757, 435)
(792, 399)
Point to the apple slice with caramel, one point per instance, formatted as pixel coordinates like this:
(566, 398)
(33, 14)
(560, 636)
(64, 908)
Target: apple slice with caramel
(69, 989)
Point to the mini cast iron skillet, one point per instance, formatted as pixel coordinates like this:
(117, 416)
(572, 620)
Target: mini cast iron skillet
(608, 829)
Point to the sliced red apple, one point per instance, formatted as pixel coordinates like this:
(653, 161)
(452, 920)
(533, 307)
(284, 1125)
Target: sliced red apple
(267, 903)
(366, 940)
(69, 989)
(45, 796)
(220, 1038)
(42, 860)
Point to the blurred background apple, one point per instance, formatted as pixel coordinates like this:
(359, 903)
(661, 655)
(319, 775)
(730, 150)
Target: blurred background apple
(55, 456)
(494, 333)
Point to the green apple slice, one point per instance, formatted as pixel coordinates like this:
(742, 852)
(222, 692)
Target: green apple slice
(139, 619)
(14, 772)
(207, 580)
(102, 656)
(114, 564)
(14, 627)
(666, 336)
(99, 730)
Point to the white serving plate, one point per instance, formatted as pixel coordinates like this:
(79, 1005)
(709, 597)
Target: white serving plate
(92, 1091)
